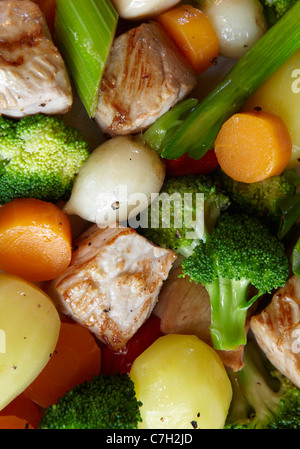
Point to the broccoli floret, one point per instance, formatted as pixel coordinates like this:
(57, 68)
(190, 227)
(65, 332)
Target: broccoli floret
(275, 9)
(184, 213)
(239, 254)
(263, 199)
(105, 402)
(263, 398)
(39, 158)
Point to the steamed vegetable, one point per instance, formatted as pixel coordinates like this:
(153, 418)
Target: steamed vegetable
(39, 158)
(84, 32)
(182, 384)
(184, 213)
(76, 359)
(253, 146)
(197, 133)
(267, 200)
(262, 397)
(238, 24)
(185, 165)
(158, 134)
(280, 95)
(275, 9)
(117, 182)
(21, 413)
(105, 402)
(35, 239)
(194, 35)
(120, 361)
(240, 252)
(142, 9)
(31, 324)
(295, 258)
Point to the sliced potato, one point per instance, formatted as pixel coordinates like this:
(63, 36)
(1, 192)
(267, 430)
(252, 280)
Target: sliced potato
(29, 329)
(280, 95)
(182, 384)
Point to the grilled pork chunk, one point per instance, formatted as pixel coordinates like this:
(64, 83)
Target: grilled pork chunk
(277, 330)
(112, 283)
(184, 308)
(33, 77)
(144, 77)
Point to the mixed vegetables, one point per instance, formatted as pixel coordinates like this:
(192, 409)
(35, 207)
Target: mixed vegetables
(106, 320)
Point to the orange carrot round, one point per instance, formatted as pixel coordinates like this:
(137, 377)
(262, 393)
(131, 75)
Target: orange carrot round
(76, 359)
(35, 239)
(13, 422)
(194, 35)
(21, 413)
(252, 146)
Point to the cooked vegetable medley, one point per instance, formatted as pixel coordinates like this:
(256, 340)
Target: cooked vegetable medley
(149, 214)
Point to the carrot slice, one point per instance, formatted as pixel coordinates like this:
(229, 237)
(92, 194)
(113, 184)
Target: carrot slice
(13, 422)
(77, 358)
(35, 239)
(21, 413)
(194, 35)
(252, 146)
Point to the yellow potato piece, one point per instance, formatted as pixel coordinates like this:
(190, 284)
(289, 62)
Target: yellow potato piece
(182, 384)
(280, 95)
(29, 329)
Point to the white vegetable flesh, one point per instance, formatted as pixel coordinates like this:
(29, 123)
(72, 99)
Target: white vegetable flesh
(238, 24)
(142, 9)
(119, 180)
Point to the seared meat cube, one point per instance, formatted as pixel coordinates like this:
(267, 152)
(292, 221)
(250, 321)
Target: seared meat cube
(145, 76)
(112, 283)
(277, 330)
(33, 76)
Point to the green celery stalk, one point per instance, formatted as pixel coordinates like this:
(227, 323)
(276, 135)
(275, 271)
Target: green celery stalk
(84, 31)
(196, 135)
(290, 212)
(295, 259)
(158, 133)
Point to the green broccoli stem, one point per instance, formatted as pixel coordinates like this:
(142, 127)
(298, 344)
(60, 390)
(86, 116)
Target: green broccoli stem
(257, 392)
(196, 134)
(264, 400)
(229, 306)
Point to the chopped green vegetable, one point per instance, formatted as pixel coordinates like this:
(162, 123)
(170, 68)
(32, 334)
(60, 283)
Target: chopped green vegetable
(39, 158)
(105, 402)
(295, 259)
(262, 397)
(267, 199)
(157, 135)
(84, 32)
(275, 9)
(185, 221)
(290, 208)
(240, 252)
(196, 135)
